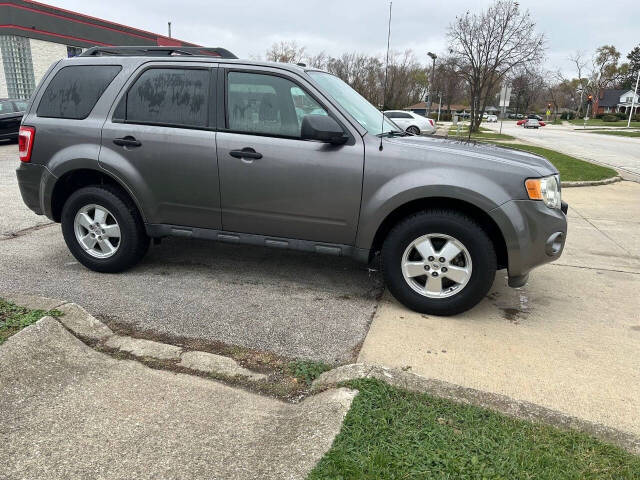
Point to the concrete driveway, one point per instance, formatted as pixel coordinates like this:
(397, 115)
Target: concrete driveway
(69, 412)
(290, 303)
(569, 340)
(621, 153)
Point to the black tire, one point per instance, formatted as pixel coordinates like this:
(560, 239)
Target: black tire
(134, 241)
(413, 130)
(447, 222)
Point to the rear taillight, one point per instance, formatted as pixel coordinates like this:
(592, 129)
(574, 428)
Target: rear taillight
(26, 136)
(431, 122)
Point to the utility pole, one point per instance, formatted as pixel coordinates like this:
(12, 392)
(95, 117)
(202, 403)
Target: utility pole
(439, 107)
(633, 100)
(169, 28)
(433, 71)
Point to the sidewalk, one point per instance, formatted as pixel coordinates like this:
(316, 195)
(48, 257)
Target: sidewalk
(69, 412)
(568, 341)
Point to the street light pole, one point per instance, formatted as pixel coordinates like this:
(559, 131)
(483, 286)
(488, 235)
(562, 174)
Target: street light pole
(433, 71)
(633, 100)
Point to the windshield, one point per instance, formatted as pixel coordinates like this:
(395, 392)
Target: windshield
(366, 114)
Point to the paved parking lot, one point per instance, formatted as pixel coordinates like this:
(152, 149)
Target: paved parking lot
(291, 303)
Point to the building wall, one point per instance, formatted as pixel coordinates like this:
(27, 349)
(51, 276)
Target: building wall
(43, 54)
(3, 81)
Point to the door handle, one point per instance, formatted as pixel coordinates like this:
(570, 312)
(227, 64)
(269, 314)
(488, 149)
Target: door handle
(247, 153)
(127, 141)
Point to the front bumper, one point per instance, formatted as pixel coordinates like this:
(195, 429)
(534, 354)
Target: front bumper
(30, 178)
(534, 235)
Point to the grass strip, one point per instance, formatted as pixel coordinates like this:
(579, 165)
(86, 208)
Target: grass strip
(571, 169)
(393, 434)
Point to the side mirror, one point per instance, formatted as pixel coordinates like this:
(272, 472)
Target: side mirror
(322, 128)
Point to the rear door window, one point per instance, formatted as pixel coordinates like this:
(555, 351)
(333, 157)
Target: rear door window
(75, 90)
(175, 97)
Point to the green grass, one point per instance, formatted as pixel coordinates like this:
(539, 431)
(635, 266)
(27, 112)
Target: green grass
(307, 370)
(483, 134)
(621, 133)
(393, 434)
(571, 169)
(599, 123)
(14, 318)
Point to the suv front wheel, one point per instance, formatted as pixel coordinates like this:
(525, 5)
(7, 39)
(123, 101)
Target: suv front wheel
(103, 229)
(439, 262)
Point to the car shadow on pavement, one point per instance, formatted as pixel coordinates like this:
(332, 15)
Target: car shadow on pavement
(291, 303)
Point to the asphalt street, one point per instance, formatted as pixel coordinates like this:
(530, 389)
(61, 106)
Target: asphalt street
(621, 153)
(291, 303)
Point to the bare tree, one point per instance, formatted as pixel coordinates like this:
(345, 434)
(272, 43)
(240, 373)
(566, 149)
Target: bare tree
(448, 81)
(285, 52)
(489, 45)
(407, 81)
(581, 63)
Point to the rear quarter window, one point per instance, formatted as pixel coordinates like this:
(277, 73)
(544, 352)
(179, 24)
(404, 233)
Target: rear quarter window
(74, 91)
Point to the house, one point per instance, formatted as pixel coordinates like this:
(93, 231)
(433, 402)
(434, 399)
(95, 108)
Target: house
(613, 101)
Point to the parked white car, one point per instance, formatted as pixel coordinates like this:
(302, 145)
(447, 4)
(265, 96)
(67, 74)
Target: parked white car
(492, 118)
(412, 122)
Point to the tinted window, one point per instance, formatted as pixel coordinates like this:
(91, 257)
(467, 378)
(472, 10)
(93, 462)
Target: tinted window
(267, 104)
(398, 115)
(6, 107)
(74, 91)
(167, 96)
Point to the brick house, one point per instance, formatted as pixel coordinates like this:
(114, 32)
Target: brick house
(614, 101)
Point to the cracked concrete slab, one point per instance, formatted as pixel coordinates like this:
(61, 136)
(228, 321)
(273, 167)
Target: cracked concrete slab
(83, 324)
(217, 364)
(72, 412)
(139, 347)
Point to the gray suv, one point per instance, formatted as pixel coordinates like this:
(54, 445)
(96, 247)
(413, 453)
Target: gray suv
(124, 145)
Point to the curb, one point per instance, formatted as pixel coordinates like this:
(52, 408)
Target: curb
(493, 401)
(96, 334)
(591, 183)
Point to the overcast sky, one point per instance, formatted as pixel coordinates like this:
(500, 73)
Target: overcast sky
(248, 28)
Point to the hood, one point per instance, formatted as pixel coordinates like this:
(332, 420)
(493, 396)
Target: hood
(481, 151)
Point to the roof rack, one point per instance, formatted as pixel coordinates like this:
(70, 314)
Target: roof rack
(157, 52)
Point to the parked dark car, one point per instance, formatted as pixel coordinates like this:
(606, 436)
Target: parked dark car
(149, 144)
(11, 111)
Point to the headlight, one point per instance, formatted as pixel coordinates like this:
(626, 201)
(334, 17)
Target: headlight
(546, 189)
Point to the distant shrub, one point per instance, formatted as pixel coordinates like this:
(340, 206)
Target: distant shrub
(621, 115)
(610, 118)
(635, 118)
(444, 117)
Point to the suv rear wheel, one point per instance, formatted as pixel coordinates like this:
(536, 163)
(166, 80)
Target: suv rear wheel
(103, 229)
(439, 262)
